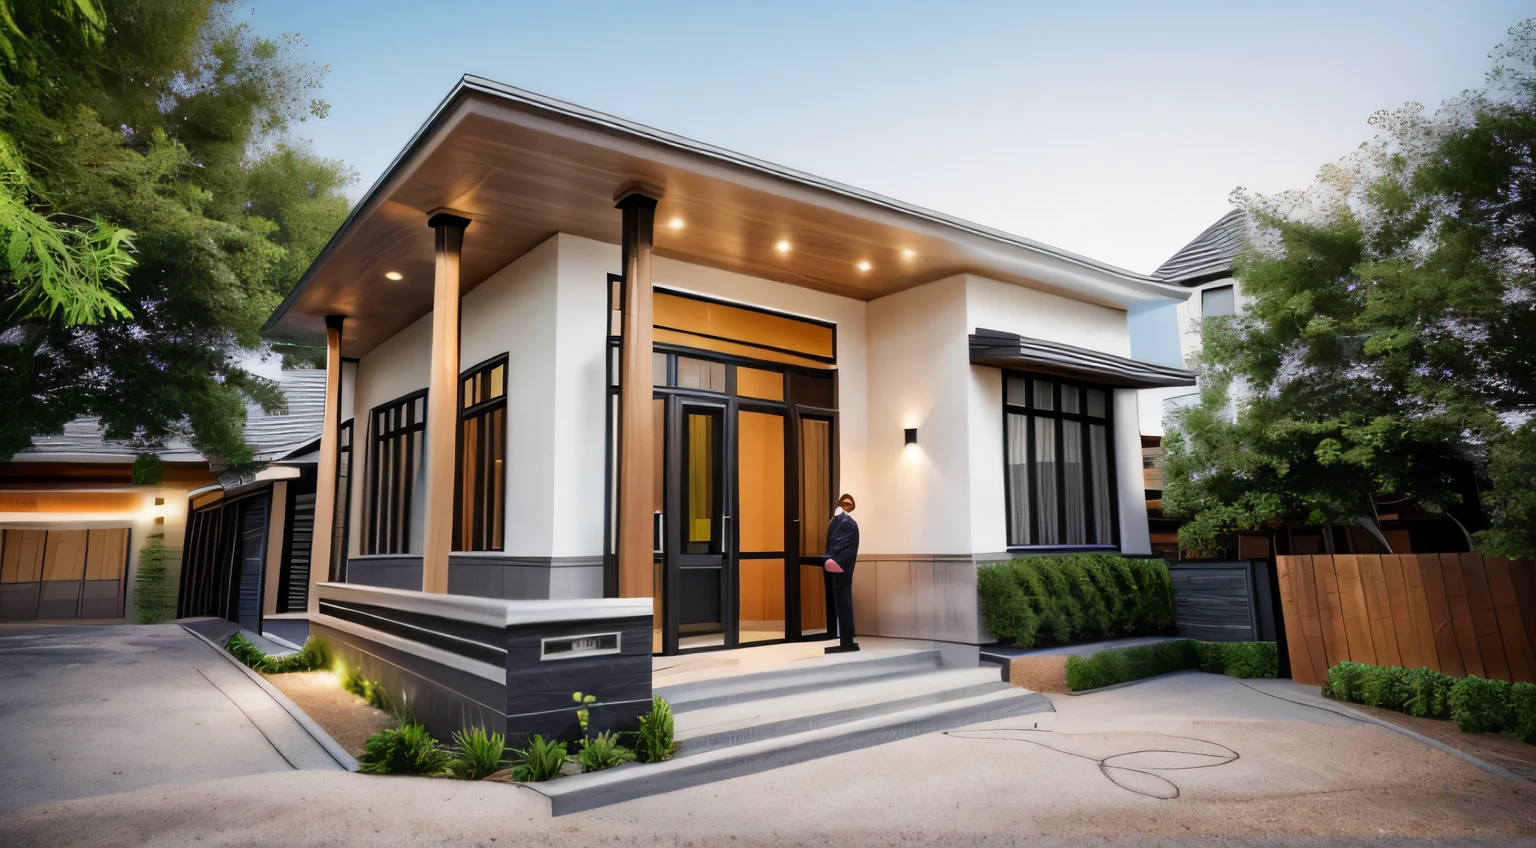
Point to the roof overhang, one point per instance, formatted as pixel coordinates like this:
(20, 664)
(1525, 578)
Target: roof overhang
(523, 167)
(1018, 353)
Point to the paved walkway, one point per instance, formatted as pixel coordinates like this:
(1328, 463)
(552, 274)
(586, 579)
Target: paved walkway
(95, 710)
(1169, 761)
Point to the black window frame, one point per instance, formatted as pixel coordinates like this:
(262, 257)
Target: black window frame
(482, 409)
(1059, 417)
(400, 525)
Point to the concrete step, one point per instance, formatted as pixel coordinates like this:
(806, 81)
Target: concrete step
(808, 675)
(638, 780)
(765, 718)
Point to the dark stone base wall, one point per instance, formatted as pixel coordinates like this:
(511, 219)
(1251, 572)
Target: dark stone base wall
(534, 696)
(489, 575)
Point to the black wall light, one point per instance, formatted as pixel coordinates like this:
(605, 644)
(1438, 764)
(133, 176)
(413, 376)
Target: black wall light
(911, 435)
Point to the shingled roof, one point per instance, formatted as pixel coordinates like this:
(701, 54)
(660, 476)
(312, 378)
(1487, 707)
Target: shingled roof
(272, 436)
(1209, 256)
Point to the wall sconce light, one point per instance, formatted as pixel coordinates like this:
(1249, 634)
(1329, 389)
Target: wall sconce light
(911, 435)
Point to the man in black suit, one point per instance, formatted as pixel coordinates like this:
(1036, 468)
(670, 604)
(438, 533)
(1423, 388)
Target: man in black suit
(842, 553)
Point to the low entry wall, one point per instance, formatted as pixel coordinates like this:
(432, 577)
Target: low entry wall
(456, 662)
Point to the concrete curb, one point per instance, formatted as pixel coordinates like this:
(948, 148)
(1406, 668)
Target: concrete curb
(337, 753)
(1340, 706)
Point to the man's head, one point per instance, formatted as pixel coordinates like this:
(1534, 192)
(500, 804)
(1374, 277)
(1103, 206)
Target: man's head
(846, 502)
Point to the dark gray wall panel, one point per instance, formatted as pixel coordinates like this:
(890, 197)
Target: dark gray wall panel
(402, 572)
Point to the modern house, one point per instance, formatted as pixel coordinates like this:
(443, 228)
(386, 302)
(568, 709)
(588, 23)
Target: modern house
(573, 357)
(73, 524)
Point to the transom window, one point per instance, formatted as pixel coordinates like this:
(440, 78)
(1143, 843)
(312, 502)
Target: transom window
(394, 473)
(480, 500)
(1059, 462)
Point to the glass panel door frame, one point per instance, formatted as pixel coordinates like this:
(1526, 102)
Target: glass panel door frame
(728, 404)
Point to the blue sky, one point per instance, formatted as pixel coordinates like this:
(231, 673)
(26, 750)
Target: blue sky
(1116, 130)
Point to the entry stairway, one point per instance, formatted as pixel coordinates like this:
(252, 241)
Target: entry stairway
(746, 723)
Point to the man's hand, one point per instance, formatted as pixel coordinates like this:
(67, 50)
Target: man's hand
(833, 567)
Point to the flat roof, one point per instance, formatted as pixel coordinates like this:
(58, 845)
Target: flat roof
(523, 167)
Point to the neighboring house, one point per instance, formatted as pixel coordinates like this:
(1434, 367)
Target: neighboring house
(72, 524)
(1205, 267)
(581, 357)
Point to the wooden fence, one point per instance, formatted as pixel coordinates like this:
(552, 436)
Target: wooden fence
(1458, 614)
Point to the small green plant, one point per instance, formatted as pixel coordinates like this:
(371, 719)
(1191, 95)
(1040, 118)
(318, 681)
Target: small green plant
(403, 750)
(152, 593)
(371, 691)
(479, 754)
(1240, 659)
(1426, 693)
(654, 740)
(1481, 706)
(540, 761)
(583, 714)
(602, 751)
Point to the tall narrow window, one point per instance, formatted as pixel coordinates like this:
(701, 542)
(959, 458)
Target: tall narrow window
(480, 500)
(1058, 463)
(394, 473)
(338, 564)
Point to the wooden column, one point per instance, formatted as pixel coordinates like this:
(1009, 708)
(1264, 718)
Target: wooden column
(325, 473)
(442, 405)
(637, 469)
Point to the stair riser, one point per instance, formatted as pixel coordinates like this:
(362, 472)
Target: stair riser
(724, 769)
(746, 687)
(771, 730)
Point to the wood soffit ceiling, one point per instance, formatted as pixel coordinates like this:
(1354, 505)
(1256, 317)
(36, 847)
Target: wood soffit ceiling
(522, 170)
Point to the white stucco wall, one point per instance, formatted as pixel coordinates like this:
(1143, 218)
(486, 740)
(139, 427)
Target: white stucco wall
(397, 367)
(919, 496)
(514, 313)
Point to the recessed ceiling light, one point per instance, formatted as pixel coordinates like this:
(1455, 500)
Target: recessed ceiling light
(675, 223)
(864, 265)
(782, 246)
(393, 275)
(909, 253)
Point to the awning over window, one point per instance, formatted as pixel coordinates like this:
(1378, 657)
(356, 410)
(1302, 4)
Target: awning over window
(1017, 353)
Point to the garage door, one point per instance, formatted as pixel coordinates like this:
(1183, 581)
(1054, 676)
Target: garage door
(63, 573)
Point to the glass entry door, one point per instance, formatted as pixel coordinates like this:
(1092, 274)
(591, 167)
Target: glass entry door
(693, 525)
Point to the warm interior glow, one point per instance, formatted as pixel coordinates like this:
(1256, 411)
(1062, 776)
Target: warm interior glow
(393, 275)
(864, 265)
(676, 223)
(782, 246)
(909, 253)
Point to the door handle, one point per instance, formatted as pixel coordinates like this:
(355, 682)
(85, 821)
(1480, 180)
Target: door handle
(658, 533)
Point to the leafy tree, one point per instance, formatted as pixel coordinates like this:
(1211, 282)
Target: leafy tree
(55, 265)
(1390, 342)
(176, 124)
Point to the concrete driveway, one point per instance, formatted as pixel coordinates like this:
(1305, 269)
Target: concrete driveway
(1170, 761)
(98, 710)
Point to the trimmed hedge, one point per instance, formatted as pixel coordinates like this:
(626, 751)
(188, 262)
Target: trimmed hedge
(1057, 600)
(315, 655)
(1475, 704)
(1120, 665)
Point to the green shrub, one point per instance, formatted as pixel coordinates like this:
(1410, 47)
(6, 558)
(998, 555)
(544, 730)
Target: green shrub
(1384, 687)
(1056, 600)
(1522, 708)
(403, 750)
(1119, 665)
(654, 740)
(540, 761)
(1475, 704)
(479, 754)
(602, 751)
(316, 654)
(1428, 693)
(1345, 681)
(1240, 659)
(1481, 706)
(152, 593)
